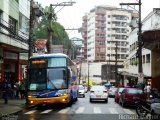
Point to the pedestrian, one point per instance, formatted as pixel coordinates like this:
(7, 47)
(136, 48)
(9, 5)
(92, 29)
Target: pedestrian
(5, 91)
(148, 90)
(17, 84)
(22, 89)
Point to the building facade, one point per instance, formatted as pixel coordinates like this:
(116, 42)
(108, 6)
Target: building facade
(106, 29)
(14, 31)
(150, 52)
(105, 32)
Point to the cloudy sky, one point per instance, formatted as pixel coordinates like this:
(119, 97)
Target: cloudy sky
(71, 16)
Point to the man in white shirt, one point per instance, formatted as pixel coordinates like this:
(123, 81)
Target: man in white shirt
(148, 90)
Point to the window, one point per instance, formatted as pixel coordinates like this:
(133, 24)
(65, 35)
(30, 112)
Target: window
(0, 18)
(143, 58)
(148, 58)
(12, 25)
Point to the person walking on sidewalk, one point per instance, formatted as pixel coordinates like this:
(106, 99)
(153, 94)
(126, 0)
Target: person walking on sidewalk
(22, 90)
(5, 91)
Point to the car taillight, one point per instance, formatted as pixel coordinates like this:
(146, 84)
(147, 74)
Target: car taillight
(92, 91)
(105, 91)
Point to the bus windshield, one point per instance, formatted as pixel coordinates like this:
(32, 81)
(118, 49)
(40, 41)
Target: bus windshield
(56, 78)
(52, 78)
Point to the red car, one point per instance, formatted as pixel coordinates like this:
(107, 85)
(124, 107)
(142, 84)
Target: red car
(118, 93)
(130, 95)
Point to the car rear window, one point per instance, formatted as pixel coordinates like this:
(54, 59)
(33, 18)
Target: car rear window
(135, 91)
(98, 88)
(120, 89)
(81, 88)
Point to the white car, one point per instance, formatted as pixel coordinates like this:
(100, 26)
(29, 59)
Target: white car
(86, 89)
(155, 108)
(81, 91)
(98, 93)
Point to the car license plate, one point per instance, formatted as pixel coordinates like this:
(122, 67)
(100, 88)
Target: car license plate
(98, 96)
(135, 98)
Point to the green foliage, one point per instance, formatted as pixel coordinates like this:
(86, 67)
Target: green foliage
(59, 35)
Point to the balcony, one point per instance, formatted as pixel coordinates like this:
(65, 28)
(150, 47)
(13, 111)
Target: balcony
(98, 25)
(99, 38)
(84, 18)
(100, 32)
(98, 18)
(99, 58)
(100, 11)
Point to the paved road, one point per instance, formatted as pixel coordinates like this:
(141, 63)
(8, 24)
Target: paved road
(80, 110)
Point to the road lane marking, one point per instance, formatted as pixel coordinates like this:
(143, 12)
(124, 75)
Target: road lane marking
(46, 111)
(128, 111)
(80, 110)
(64, 110)
(30, 112)
(96, 110)
(113, 111)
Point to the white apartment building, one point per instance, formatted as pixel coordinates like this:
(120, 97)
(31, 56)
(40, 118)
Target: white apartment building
(105, 33)
(107, 25)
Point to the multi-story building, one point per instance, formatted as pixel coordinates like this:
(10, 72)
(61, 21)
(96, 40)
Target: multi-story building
(103, 27)
(150, 53)
(14, 19)
(105, 33)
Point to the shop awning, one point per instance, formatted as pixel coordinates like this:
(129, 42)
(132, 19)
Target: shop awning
(124, 73)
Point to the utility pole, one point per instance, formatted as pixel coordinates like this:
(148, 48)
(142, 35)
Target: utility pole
(35, 11)
(80, 71)
(50, 16)
(49, 43)
(116, 62)
(140, 42)
(31, 25)
(88, 76)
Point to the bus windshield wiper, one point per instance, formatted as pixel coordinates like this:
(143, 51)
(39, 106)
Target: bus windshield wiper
(52, 84)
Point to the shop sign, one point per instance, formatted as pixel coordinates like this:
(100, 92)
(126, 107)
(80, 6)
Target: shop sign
(10, 55)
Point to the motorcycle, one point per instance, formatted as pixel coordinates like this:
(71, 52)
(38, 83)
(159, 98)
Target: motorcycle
(143, 107)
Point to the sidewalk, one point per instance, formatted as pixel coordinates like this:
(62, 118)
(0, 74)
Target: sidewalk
(13, 106)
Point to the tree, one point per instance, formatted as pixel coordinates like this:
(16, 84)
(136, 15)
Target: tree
(59, 35)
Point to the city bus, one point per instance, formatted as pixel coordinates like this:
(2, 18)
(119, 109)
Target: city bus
(52, 78)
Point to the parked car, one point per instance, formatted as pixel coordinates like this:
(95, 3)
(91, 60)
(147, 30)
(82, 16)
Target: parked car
(98, 93)
(130, 95)
(86, 89)
(81, 91)
(111, 91)
(118, 92)
(155, 109)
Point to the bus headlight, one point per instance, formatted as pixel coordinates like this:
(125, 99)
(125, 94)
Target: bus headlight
(29, 96)
(61, 93)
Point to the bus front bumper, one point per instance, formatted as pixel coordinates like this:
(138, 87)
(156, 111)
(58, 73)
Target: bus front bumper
(51, 100)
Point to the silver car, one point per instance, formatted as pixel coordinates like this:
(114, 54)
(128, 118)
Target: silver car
(81, 91)
(98, 93)
(155, 108)
(111, 92)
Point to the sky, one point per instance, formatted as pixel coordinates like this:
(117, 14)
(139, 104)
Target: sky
(71, 16)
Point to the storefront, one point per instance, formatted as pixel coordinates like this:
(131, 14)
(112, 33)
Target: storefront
(10, 66)
(1, 62)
